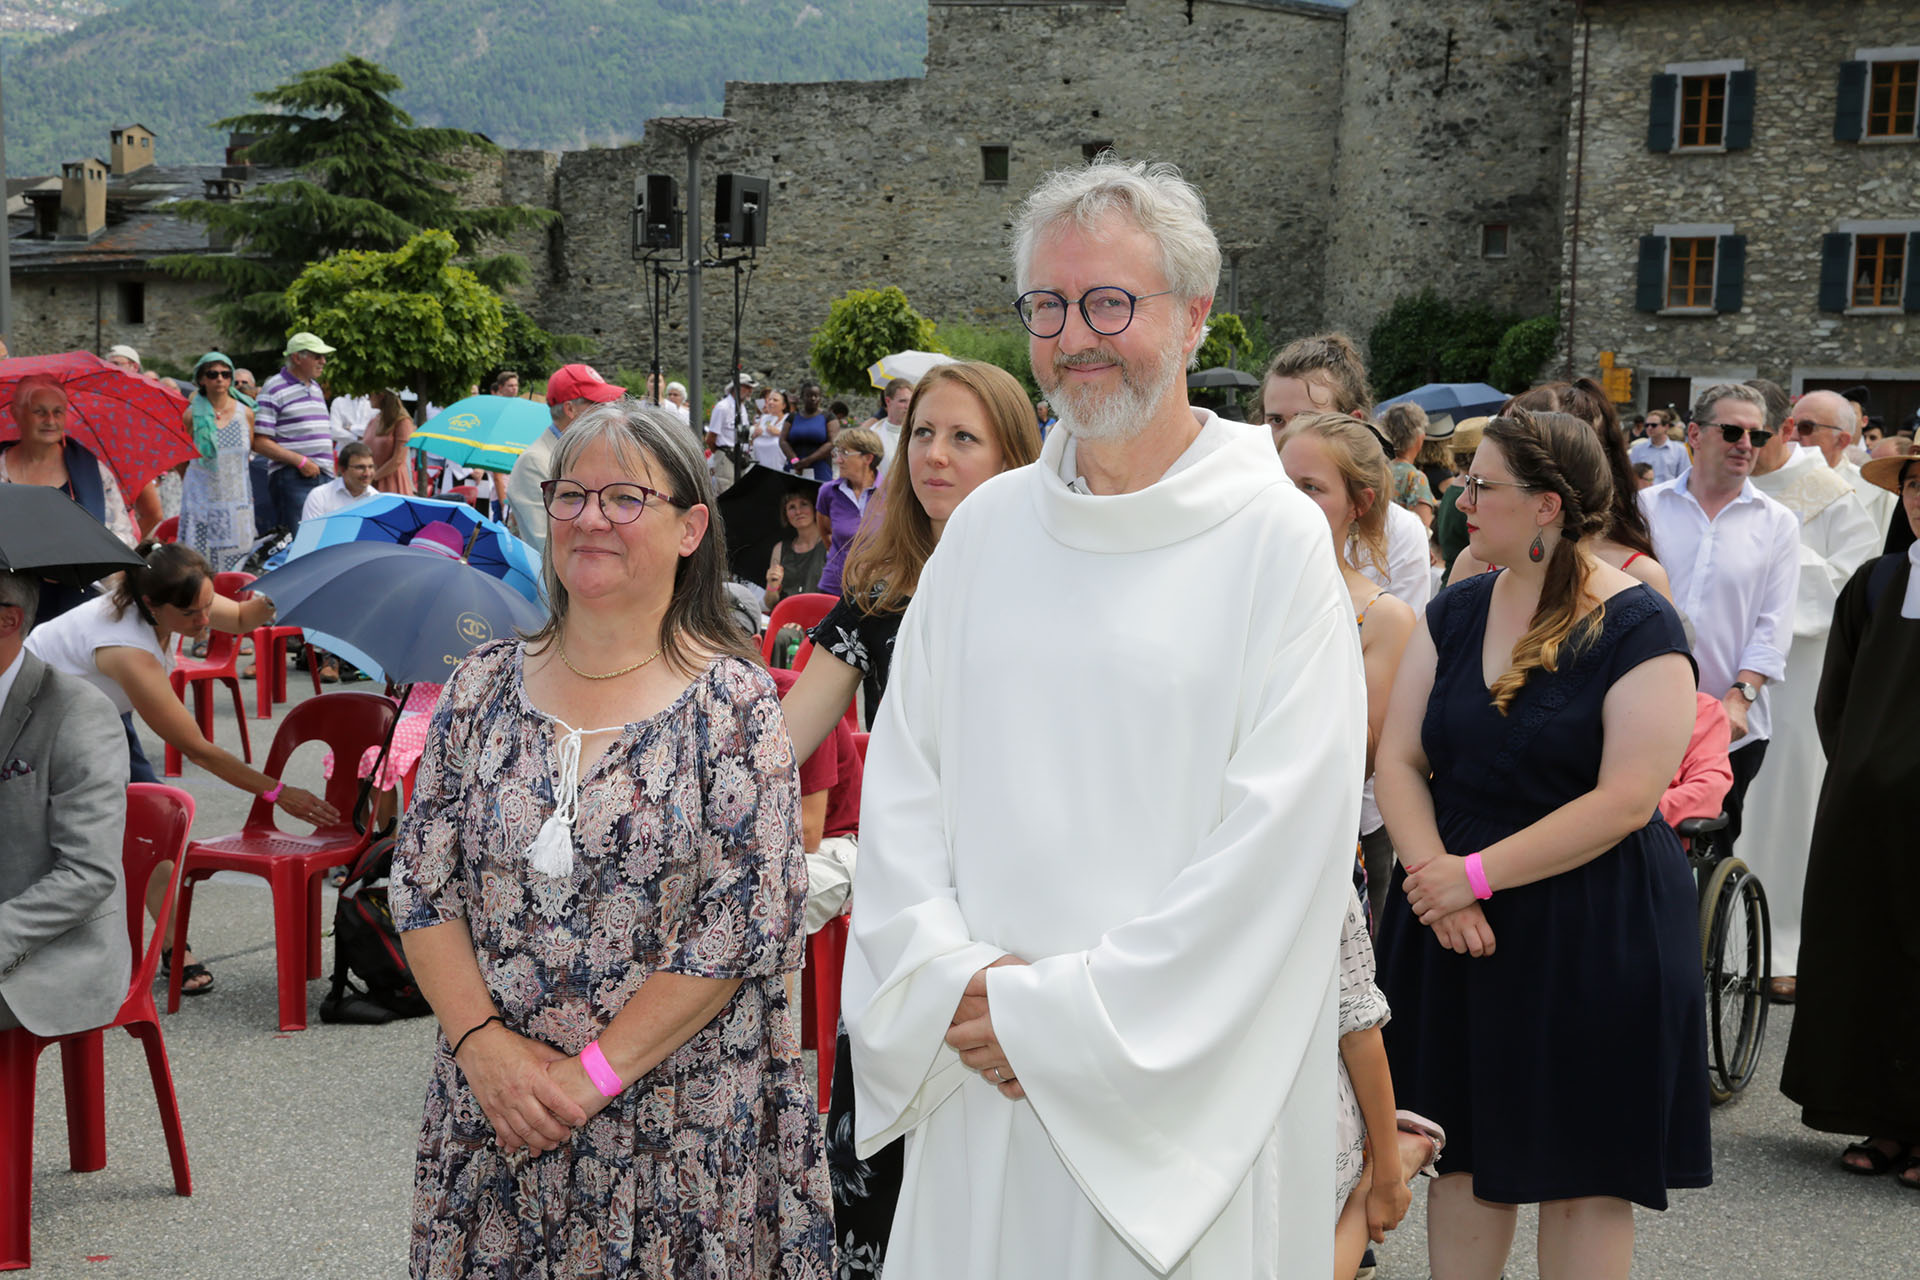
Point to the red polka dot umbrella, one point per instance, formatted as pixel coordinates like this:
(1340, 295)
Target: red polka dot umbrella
(132, 424)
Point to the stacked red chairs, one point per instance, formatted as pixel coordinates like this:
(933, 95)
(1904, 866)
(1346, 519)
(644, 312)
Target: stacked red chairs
(221, 665)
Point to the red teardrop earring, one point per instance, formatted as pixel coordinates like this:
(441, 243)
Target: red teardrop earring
(1538, 551)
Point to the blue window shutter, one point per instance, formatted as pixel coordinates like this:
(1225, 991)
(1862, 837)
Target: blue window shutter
(1651, 295)
(1910, 291)
(1836, 261)
(1660, 108)
(1739, 134)
(1729, 273)
(1850, 103)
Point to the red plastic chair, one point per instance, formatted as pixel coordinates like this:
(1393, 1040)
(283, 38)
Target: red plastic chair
(158, 820)
(805, 611)
(167, 530)
(467, 493)
(820, 998)
(270, 662)
(220, 665)
(294, 865)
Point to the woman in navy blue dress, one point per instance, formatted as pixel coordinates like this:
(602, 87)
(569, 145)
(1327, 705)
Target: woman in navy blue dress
(1539, 948)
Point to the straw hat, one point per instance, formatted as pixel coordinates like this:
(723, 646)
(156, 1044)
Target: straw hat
(1885, 472)
(1466, 435)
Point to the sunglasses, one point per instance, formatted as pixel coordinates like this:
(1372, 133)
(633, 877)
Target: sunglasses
(1731, 434)
(216, 373)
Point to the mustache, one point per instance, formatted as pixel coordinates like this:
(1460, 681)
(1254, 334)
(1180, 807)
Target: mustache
(1081, 359)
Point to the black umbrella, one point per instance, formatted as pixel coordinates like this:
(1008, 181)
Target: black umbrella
(403, 612)
(1221, 376)
(750, 513)
(45, 531)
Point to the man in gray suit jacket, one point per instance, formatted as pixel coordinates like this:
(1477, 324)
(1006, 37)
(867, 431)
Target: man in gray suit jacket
(63, 814)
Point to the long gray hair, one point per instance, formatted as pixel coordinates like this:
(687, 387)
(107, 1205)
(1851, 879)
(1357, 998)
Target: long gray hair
(654, 443)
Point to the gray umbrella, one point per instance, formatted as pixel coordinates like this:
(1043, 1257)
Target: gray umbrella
(1221, 376)
(48, 533)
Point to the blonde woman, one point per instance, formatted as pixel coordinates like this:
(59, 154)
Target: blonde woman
(1538, 715)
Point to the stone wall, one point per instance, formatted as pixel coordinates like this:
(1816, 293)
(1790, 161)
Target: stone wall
(1453, 115)
(882, 183)
(80, 311)
(1792, 186)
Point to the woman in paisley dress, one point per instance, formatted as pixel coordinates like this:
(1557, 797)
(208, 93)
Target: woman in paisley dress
(216, 495)
(600, 885)
(967, 422)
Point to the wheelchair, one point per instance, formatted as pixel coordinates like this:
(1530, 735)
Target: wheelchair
(1736, 955)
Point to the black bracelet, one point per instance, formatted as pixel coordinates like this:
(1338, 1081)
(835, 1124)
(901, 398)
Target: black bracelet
(463, 1039)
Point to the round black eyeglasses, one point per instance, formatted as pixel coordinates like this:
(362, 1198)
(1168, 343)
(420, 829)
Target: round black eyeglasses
(1108, 310)
(620, 503)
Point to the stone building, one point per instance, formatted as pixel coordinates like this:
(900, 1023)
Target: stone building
(1743, 196)
(1347, 155)
(83, 248)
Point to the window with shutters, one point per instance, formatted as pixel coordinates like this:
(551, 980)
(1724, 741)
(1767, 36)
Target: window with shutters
(1690, 273)
(1879, 270)
(1703, 112)
(1893, 91)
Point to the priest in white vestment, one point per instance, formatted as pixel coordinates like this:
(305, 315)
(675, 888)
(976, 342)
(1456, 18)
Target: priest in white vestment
(1119, 757)
(1836, 537)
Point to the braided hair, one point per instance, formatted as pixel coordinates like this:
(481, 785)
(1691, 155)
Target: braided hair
(1585, 399)
(1560, 454)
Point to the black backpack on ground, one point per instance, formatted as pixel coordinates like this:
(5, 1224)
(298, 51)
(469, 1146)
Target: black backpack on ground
(367, 946)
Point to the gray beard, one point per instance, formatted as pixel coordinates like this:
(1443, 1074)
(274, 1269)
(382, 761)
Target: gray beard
(1088, 413)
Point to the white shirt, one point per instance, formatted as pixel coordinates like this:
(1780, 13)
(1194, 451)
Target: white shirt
(1175, 868)
(332, 497)
(1408, 578)
(1667, 460)
(1735, 577)
(720, 423)
(347, 418)
(67, 644)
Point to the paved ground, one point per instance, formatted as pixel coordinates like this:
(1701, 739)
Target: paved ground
(302, 1144)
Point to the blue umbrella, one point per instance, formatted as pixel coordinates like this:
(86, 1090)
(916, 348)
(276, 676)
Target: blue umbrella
(393, 517)
(398, 613)
(1460, 399)
(483, 431)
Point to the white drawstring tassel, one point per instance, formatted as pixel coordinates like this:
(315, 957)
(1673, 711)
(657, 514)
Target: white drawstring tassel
(552, 850)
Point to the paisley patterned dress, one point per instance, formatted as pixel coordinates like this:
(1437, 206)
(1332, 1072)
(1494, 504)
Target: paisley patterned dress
(687, 859)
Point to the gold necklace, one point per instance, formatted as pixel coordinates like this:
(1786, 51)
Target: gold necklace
(588, 675)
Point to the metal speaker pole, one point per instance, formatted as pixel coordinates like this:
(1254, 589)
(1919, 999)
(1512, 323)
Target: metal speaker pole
(694, 131)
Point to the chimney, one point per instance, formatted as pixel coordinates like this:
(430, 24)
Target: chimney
(236, 167)
(132, 148)
(83, 198)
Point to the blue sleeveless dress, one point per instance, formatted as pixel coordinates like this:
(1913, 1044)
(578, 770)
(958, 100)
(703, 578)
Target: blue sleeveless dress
(1571, 1061)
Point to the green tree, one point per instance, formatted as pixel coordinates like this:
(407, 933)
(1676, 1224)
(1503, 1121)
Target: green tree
(1425, 338)
(862, 326)
(369, 179)
(411, 318)
(1001, 345)
(1226, 342)
(1523, 350)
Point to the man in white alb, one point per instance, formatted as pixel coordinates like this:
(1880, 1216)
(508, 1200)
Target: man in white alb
(1836, 537)
(1733, 557)
(1107, 832)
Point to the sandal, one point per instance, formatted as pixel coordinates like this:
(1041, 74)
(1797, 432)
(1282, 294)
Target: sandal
(1877, 1160)
(192, 973)
(1413, 1122)
(1908, 1174)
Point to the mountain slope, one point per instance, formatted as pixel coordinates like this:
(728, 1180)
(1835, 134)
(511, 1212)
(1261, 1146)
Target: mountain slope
(556, 74)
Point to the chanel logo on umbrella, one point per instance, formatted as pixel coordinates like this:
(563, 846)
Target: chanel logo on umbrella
(473, 628)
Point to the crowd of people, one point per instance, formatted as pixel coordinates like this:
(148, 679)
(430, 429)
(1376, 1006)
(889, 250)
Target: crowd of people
(1256, 817)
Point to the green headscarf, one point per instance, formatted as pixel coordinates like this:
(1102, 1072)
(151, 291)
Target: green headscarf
(206, 428)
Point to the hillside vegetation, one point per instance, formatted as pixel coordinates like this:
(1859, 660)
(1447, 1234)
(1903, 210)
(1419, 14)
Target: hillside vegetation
(562, 74)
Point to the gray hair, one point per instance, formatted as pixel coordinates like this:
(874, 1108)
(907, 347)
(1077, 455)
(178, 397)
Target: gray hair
(1703, 407)
(1779, 403)
(699, 617)
(1158, 200)
(21, 590)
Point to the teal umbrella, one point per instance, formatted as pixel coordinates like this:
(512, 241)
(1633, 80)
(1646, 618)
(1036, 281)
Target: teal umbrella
(488, 432)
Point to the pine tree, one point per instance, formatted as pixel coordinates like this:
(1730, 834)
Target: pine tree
(368, 179)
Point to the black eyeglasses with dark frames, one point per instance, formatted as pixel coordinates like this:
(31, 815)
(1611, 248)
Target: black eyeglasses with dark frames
(1731, 434)
(1108, 310)
(621, 502)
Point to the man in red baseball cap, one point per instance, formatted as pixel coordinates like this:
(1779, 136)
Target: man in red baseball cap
(571, 391)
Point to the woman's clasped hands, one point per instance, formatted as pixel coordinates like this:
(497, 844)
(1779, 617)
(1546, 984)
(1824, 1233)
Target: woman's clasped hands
(1442, 899)
(521, 1087)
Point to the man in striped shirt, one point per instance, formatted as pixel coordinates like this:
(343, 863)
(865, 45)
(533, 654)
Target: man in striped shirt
(293, 431)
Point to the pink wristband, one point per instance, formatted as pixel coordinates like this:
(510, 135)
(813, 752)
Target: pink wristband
(1477, 877)
(274, 794)
(600, 1072)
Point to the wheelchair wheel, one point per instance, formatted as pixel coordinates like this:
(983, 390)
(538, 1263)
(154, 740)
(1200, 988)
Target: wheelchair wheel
(1736, 952)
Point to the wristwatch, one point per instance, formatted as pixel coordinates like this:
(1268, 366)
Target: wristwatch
(1747, 691)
